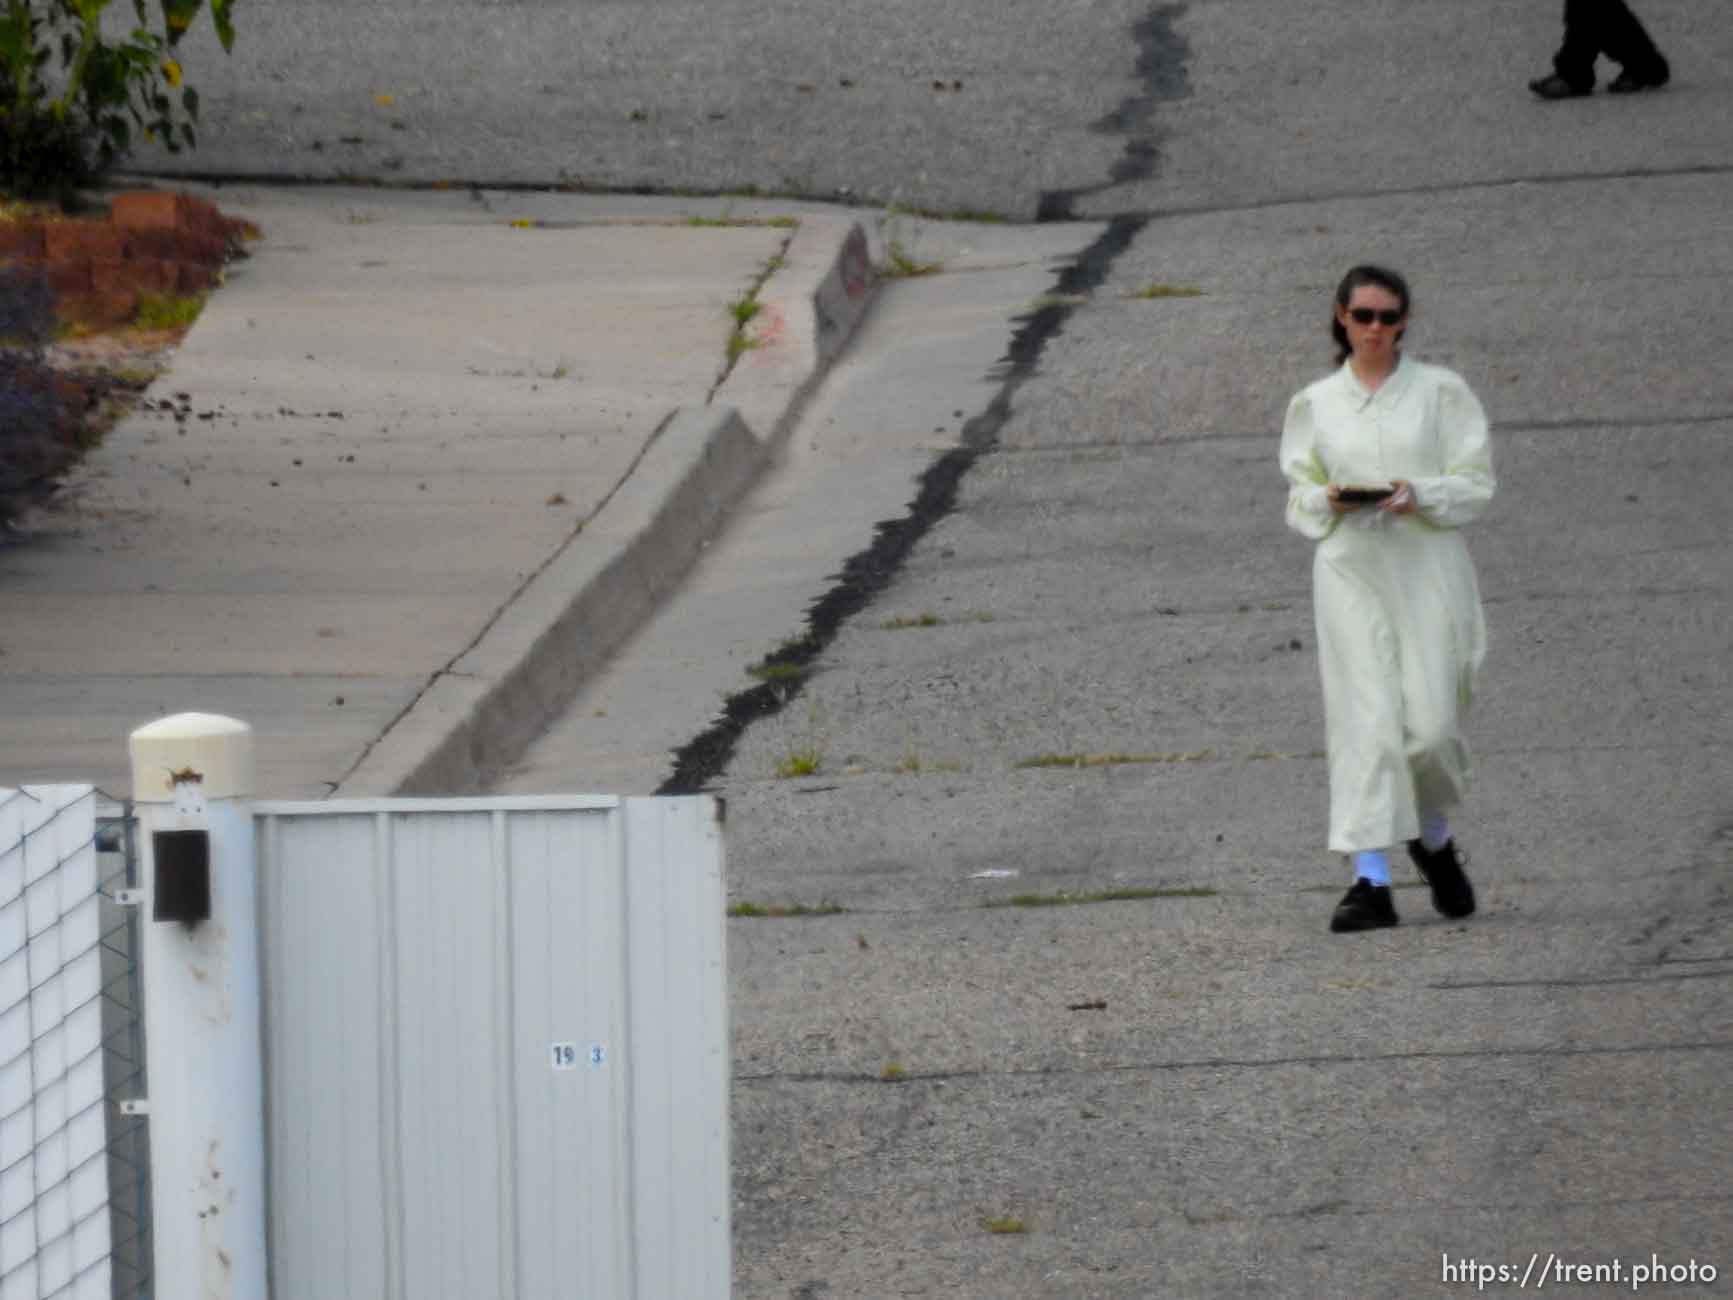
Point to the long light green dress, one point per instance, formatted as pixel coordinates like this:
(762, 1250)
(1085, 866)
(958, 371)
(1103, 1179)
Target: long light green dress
(1401, 634)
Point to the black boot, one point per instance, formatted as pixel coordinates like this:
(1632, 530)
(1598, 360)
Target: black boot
(1364, 907)
(1452, 895)
(1556, 87)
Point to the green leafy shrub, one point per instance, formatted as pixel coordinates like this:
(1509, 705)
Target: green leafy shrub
(72, 98)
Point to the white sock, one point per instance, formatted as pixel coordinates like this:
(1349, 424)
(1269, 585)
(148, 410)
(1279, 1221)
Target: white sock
(1434, 829)
(1373, 865)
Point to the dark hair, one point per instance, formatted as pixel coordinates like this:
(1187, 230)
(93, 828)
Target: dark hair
(1383, 278)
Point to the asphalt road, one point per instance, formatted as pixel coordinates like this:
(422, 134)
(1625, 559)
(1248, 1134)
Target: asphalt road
(1200, 1093)
(1003, 106)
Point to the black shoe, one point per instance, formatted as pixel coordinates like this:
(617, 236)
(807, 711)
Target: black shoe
(1556, 87)
(1364, 907)
(1452, 895)
(1626, 83)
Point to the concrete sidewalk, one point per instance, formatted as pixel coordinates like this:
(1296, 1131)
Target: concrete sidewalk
(424, 460)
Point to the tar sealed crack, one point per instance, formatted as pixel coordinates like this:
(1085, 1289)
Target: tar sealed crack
(1161, 67)
(1162, 56)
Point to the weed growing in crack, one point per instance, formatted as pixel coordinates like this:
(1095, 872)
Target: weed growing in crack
(900, 264)
(917, 620)
(799, 762)
(900, 261)
(783, 910)
(912, 764)
(743, 309)
(1158, 290)
(807, 755)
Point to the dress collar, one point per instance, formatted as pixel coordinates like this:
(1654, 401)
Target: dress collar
(1362, 396)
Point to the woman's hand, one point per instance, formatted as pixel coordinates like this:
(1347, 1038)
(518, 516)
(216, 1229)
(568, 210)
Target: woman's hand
(1401, 499)
(1337, 505)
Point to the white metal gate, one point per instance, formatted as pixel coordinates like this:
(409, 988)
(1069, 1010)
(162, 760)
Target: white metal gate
(54, 1209)
(496, 1049)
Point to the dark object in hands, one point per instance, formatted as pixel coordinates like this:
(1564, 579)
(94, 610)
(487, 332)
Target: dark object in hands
(1362, 496)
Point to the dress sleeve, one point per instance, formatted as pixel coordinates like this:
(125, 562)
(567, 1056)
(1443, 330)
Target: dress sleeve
(1309, 512)
(1462, 492)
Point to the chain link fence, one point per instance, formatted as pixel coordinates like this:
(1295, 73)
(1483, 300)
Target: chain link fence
(74, 1168)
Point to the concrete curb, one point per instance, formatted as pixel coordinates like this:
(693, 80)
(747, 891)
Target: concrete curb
(807, 312)
(479, 714)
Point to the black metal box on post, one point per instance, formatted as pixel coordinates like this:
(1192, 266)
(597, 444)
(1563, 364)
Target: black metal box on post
(181, 890)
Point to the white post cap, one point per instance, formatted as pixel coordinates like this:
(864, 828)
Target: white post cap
(215, 751)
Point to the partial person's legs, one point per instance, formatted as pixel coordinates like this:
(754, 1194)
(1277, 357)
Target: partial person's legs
(1575, 61)
(1371, 791)
(1371, 786)
(1441, 868)
(1434, 696)
(1367, 905)
(1595, 27)
(1623, 40)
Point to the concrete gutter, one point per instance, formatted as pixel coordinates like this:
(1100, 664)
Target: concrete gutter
(480, 713)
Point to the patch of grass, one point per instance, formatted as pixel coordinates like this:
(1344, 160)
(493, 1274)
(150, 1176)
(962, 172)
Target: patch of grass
(803, 761)
(900, 264)
(1113, 760)
(740, 343)
(777, 674)
(893, 1072)
(782, 910)
(743, 309)
(898, 624)
(1058, 300)
(962, 214)
(731, 223)
(912, 764)
(1159, 290)
(167, 311)
(790, 662)
(1131, 895)
(1005, 1226)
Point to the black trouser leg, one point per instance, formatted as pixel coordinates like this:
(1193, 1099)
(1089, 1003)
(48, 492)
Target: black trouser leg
(1605, 27)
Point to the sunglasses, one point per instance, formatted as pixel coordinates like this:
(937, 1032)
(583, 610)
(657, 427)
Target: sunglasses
(1365, 316)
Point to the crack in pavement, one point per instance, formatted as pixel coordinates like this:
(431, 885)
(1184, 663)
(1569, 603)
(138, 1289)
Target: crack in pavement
(1409, 191)
(1236, 1063)
(1581, 981)
(1567, 425)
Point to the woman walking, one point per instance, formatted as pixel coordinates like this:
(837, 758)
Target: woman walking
(1386, 459)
